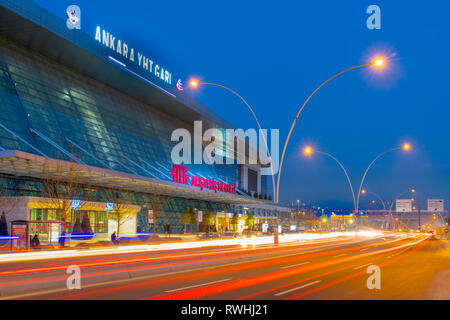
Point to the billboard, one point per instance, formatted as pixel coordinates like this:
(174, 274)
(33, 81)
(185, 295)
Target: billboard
(19, 235)
(403, 205)
(436, 205)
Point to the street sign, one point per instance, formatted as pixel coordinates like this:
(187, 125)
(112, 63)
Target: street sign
(109, 206)
(403, 205)
(75, 204)
(436, 205)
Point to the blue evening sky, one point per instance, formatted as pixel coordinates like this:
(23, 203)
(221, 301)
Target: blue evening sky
(275, 53)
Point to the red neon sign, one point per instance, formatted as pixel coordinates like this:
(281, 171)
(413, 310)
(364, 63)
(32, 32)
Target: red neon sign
(179, 175)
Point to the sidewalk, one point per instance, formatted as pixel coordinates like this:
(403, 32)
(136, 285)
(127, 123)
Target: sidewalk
(95, 243)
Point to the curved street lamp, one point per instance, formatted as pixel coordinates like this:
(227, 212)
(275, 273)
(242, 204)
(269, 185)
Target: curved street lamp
(378, 63)
(309, 150)
(363, 191)
(404, 147)
(195, 83)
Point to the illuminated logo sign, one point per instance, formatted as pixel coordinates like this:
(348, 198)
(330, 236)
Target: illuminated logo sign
(73, 17)
(179, 175)
(179, 85)
(109, 206)
(75, 204)
(121, 48)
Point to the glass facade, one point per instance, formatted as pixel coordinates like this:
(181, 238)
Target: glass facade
(59, 112)
(49, 109)
(169, 212)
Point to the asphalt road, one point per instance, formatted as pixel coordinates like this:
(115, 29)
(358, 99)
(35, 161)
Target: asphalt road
(411, 267)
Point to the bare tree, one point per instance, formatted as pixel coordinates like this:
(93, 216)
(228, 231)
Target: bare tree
(158, 202)
(65, 190)
(121, 201)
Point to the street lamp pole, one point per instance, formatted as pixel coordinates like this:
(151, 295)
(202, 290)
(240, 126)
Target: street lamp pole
(195, 83)
(377, 62)
(405, 147)
(309, 150)
(363, 191)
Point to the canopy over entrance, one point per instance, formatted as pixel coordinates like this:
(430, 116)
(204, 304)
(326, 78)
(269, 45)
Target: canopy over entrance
(23, 164)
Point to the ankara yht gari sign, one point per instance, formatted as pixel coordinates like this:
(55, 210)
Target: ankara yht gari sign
(180, 175)
(121, 48)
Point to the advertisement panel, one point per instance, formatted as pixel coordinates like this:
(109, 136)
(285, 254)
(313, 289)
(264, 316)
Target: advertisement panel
(403, 205)
(54, 233)
(150, 216)
(19, 236)
(200, 216)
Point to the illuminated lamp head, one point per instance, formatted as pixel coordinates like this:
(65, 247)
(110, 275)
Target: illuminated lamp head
(308, 150)
(378, 63)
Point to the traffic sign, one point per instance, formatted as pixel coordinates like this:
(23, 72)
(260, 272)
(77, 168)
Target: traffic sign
(436, 205)
(403, 205)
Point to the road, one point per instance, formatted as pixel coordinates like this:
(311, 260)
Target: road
(411, 267)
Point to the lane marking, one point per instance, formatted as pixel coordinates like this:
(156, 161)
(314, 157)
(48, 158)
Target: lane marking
(161, 275)
(364, 265)
(340, 255)
(295, 265)
(198, 285)
(333, 283)
(146, 277)
(364, 249)
(297, 288)
(255, 280)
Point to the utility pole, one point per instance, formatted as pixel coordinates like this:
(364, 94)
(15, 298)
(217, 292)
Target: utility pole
(418, 212)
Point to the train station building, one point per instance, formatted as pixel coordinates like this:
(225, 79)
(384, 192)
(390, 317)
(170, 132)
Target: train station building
(85, 136)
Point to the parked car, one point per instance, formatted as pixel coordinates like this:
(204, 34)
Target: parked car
(209, 236)
(249, 233)
(230, 235)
